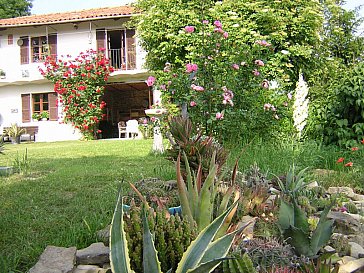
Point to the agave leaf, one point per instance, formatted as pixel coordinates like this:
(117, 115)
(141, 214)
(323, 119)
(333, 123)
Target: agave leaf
(220, 247)
(182, 192)
(225, 200)
(119, 253)
(299, 240)
(300, 219)
(206, 202)
(198, 247)
(208, 266)
(151, 263)
(229, 218)
(191, 188)
(285, 215)
(323, 231)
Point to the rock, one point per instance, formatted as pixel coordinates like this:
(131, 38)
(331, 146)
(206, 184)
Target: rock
(355, 250)
(312, 185)
(346, 259)
(55, 260)
(352, 266)
(87, 269)
(358, 197)
(342, 190)
(329, 249)
(104, 235)
(249, 230)
(357, 238)
(345, 223)
(96, 253)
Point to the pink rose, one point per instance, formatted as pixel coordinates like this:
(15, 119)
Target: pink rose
(205, 22)
(225, 34)
(189, 29)
(218, 24)
(150, 81)
(235, 66)
(219, 116)
(192, 103)
(265, 84)
(191, 68)
(256, 72)
(259, 62)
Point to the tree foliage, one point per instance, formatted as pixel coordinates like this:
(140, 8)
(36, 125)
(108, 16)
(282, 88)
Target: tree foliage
(15, 8)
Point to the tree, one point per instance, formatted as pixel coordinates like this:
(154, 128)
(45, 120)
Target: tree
(15, 8)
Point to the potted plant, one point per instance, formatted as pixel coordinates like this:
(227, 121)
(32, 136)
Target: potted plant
(14, 132)
(44, 115)
(36, 117)
(2, 74)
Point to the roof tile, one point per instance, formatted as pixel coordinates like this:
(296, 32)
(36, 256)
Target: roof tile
(83, 15)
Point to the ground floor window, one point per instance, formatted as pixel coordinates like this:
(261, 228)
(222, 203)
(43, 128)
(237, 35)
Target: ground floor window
(37, 103)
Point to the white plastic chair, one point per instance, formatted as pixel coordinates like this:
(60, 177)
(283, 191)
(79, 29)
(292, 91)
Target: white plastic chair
(122, 129)
(132, 128)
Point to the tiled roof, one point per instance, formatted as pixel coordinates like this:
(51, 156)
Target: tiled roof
(74, 16)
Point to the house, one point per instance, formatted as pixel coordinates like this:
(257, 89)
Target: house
(26, 41)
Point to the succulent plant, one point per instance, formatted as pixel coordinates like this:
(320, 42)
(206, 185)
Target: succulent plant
(204, 254)
(351, 207)
(267, 253)
(172, 237)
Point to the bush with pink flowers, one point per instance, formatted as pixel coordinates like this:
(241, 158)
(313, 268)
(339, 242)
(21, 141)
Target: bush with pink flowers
(79, 84)
(224, 87)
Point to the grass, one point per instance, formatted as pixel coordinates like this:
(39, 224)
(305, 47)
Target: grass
(68, 196)
(70, 190)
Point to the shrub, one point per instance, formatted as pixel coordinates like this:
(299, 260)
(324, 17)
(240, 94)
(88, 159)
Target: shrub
(345, 115)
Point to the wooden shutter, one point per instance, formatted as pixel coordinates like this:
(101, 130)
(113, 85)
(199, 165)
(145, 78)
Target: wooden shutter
(25, 101)
(131, 48)
(100, 39)
(24, 51)
(52, 42)
(53, 108)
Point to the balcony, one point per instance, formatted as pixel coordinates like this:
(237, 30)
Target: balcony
(121, 59)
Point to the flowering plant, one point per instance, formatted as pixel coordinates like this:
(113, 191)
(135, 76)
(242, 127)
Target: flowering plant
(220, 84)
(79, 84)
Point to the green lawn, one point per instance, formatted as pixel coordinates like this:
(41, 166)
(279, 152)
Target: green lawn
(69, 194)
(71, 189)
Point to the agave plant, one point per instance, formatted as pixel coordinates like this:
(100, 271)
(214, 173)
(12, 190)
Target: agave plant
(294, 225)
(197, 196)
(197, 147)
(202, 256)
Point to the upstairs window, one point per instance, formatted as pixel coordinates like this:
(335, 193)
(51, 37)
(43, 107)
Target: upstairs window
(37, 48)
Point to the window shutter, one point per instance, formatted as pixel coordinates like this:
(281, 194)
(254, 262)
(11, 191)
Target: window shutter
(24, 51)
(52, 42)
(53, 108)
(131, 48)
(25, 100)
(100, 39)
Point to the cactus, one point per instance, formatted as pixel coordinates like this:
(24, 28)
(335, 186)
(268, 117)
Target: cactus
(350, 206)
(172, 237)
(203, 255)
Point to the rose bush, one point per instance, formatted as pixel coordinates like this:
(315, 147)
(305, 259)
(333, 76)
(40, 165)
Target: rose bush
(79, 84)
(222, 86)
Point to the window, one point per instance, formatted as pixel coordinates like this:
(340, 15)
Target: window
(120, 47)
(38, 48)
(10, 39)
(38, 103)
